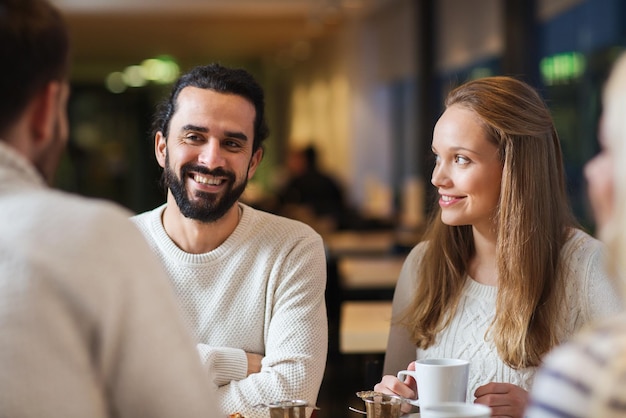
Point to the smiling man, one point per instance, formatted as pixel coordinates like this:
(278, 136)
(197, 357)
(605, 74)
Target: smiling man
(251, 283)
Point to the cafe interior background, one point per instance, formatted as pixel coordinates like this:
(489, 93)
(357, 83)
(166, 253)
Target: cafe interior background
(361, 80)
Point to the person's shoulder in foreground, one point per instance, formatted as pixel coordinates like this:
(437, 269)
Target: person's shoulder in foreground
(581, 378)
(88, 321)
(89, 325)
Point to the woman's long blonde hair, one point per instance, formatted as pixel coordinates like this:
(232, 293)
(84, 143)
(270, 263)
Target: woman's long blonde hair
(533, 218)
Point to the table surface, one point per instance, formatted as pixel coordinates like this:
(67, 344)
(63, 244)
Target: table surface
(364, 326)
(359, 242)
(369, 272)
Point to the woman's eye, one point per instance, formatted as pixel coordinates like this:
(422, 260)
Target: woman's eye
(459, 159)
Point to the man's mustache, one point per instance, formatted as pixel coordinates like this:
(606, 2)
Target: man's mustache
(218, 172)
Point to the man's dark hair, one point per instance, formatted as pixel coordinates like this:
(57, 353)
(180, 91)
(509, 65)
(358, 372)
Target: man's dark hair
(222, 80)
(34, 50)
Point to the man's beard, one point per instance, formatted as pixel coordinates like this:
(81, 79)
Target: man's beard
(206, 207)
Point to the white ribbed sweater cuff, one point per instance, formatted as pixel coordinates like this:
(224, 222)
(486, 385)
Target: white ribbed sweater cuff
(223, 364)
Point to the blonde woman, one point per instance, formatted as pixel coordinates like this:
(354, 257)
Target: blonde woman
(586, 377)
(503, 274)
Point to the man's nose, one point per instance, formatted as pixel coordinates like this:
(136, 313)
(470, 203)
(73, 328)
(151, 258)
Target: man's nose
(211, 154)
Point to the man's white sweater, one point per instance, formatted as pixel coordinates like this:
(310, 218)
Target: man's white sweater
(261, 291)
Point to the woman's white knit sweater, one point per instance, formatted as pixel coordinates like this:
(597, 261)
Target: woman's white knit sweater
(261, 291)
(590, 295)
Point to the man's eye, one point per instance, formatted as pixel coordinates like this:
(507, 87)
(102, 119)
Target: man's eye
(232, 143)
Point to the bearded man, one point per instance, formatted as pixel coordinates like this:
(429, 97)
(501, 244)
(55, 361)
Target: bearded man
(250, 283)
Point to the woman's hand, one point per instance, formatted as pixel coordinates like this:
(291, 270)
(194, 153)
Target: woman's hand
(504, 399)
(392, 386)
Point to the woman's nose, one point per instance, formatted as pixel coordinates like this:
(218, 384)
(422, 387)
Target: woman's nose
(440, 177)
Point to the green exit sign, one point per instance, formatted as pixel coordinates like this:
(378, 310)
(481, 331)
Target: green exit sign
(562, 68)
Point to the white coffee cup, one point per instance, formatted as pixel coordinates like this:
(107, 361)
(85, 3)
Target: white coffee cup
(455, 410)
(439, 380)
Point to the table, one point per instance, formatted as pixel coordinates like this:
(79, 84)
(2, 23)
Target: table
(364, 326)
(343, 243)
(358, 273)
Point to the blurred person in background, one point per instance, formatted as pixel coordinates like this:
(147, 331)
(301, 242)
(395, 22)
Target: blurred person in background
(89, 326)
(503, 274)
(251, 283)
(585, 377)
(310, 194)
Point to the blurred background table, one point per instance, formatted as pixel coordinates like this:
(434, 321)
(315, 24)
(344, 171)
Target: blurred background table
(364, 327)
(361, 273)
(348, 243)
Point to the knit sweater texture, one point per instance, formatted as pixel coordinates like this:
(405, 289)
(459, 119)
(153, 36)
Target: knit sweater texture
(89, 325)
(261, 291)
(589, 295)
